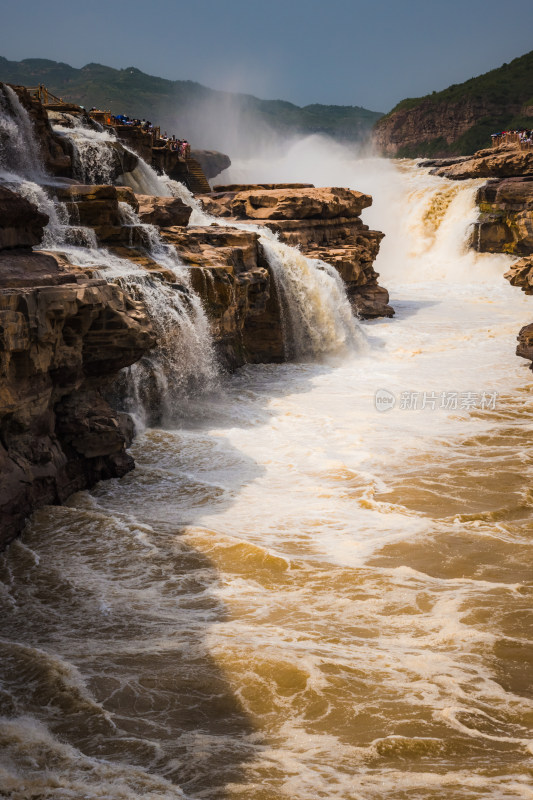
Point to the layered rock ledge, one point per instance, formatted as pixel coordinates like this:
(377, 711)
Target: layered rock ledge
(63, 337)
(324, 223)
(504, 162)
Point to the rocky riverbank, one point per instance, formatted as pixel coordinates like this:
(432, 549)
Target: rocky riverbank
(64, 337)
(66, 333)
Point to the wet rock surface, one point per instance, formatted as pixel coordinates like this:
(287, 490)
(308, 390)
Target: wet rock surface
(21, 224)
(165, 212)
(324, 223)
(231, 274)
(506, 221)
(62, 338)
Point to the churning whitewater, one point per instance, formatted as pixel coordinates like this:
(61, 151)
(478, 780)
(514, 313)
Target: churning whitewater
(296, 594)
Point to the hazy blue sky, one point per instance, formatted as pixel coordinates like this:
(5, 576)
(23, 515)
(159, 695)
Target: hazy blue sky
(370, 53)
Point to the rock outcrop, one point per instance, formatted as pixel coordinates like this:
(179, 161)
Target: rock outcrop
(55, 151)
(459, 120)
(504, 162)
(505, 224)
(21, 224)
(62, 338)
(429, 127)
(506, 221)
(211, 161)
(65, 333)
(324, 223)
(521, 275)
(231, 274)
(165, 212)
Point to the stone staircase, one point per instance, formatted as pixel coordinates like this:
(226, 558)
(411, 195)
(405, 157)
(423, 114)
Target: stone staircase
(196, 180)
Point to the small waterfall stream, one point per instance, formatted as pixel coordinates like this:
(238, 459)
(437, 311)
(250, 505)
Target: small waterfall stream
(20, 155)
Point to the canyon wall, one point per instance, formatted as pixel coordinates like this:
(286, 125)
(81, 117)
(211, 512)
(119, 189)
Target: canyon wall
(460, 119)
(430, 128)
(63, 338)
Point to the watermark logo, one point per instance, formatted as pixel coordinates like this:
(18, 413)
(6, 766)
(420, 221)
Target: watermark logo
(435, 401)
(384, 400)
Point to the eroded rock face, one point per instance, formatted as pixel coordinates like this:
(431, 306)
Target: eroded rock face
(506, 222)
(230, 273)
(62, 337)
(289, 203)
(55, 151)
(521, 274)
(21, 224)
(431, 127)
(97, 207)
(211, 161)
(525, 343)
(59, 343)
(324, 223)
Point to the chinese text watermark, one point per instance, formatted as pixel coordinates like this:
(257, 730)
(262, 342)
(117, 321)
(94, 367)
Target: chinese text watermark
(433, 401)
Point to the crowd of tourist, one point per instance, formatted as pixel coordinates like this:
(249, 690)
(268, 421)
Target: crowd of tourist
(180, 146)
(523, 138)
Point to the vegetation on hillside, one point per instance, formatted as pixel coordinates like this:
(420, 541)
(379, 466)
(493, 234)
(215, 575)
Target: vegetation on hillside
(132, 92)
(502, 92)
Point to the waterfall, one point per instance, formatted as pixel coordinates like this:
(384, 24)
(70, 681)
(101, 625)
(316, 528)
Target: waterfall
(316, 314)
(20, 154)
(94, 156)
(159, 386)
(145, 180)
(315, 311)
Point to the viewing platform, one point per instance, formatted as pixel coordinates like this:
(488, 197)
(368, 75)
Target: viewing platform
(165, 154)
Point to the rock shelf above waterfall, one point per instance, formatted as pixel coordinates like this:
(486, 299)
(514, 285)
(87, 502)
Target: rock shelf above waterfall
(324, 223)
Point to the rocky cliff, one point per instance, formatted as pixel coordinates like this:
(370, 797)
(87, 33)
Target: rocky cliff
(459, 119)
(506, 222)
(63, 338)
(430, 129)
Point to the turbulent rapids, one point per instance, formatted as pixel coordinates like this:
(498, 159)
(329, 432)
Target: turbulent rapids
(295, 594)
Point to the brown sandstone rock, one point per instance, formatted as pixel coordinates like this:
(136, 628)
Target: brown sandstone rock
(56, 151)
(325, 224)
(165, 212)
(506, 222)
(293, 204)
(211, 161)
(229, 271)
(521, 274)
(507, 162)
(97, 207)
(525, 343)
(21, 224)
(59, 343)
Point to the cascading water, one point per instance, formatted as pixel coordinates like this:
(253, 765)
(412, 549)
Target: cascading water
(20, 156)
(94, 153)
(316, 313)
(159, 387)
(301, 596)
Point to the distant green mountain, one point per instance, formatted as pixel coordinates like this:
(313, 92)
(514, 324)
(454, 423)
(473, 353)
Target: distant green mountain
(460, 119)
(207, 117)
